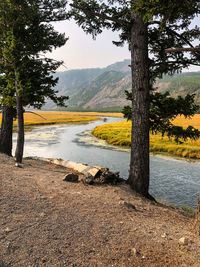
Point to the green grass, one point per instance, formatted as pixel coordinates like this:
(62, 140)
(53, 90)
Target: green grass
(188, 209)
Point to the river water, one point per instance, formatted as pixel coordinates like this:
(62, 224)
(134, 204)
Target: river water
(172, 180)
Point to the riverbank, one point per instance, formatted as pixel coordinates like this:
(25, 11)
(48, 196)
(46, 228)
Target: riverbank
(60, 117)
(42, 118)
(48, 222)
(119, 134)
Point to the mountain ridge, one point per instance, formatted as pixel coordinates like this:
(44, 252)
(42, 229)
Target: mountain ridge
(104, 88)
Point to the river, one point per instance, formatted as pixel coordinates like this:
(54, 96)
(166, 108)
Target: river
(172, 180)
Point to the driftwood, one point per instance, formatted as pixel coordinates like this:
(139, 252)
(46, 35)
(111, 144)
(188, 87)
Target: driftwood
(91, 174)
(79, 167)
(197, 219)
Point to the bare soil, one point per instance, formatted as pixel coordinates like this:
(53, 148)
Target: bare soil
(45, 221)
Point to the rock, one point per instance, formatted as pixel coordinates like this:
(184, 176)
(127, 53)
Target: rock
(7, 230)
(42, 214)
(135, 252)
(18, 165)
(87, 179)
(128, 205)
(164, 235)
(183, 241)
(71, 177)
(110, 177)
(43, 260)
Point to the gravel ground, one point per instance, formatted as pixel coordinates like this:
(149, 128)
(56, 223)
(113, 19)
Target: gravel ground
(45, 221)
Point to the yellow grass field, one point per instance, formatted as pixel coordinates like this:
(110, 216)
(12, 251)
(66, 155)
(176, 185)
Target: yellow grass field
(56, 117)
(120, 134)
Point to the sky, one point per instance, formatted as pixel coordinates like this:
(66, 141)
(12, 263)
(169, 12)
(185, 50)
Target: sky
(81, 51)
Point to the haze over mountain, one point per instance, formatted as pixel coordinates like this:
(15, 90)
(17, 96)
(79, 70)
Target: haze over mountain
(103, 88)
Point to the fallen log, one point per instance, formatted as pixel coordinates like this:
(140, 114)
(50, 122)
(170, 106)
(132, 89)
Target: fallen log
(90, 174)
(79, 167)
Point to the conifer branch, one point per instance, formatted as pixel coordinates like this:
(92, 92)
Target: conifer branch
(100, 15)
(182, 49)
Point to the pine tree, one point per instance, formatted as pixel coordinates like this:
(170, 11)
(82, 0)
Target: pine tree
(149, 27)
(163, 110)
(25, 36)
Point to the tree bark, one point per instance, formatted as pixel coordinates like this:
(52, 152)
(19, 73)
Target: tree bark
(20, 123)
(197, 219)
(6, 130)
(139, 164)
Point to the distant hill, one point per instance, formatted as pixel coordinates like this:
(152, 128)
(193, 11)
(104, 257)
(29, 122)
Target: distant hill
(181, 84)
(103, 88)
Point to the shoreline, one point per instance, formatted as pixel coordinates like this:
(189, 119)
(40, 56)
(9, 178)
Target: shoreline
(30, 127)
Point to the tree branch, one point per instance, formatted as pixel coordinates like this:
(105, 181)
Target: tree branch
(36, 114)
(180, 36)
(182, 49)
(102, 16)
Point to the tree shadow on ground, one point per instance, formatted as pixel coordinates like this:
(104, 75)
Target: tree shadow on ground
(2, 264)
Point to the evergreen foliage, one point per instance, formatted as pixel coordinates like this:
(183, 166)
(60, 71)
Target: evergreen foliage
(163, 110)
(149, 27)
(25, 38)
(27, 74)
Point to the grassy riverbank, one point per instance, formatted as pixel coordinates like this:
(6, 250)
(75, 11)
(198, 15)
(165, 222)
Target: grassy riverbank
(120, 134)
(59, 117)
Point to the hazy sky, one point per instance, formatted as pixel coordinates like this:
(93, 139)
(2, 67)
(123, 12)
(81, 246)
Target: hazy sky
(81, 51)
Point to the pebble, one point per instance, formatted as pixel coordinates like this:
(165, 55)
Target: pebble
(128, 205)
(164, 235)
(183, 241)
(43, 259)
(18, 165)
(135, 252)
(7, 230)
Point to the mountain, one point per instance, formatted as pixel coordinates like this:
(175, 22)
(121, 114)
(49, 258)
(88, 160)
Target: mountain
(93, 88)
(103, 88)
(71, 81)
(181, 84)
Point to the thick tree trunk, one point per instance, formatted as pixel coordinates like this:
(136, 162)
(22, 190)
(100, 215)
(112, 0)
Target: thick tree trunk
(197, 219)
(6, 130)
(139, 164)
(20, 123)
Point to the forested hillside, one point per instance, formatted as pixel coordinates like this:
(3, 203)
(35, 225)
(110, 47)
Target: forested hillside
(182, 84)
(103, 88)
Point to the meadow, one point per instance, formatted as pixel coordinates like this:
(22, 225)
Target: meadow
(60, 117)
(120, 134)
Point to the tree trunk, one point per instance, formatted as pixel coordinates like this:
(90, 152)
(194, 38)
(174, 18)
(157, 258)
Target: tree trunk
(139, 164)
(197, 219)
(20, 123)
(6, 130)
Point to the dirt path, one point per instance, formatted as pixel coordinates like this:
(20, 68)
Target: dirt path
(45, 221)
